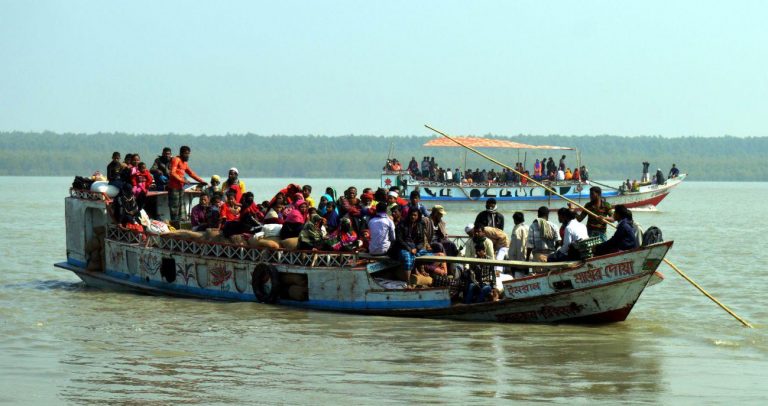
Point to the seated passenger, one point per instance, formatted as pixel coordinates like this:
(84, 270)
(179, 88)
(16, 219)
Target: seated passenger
(294, 220)
(435, 268)
(477, 237)
(574, 232)
(625, 236)
(344, 238)
(411, 240)
(382, 231)
(275, 214)
(114, 168)
(568, 174)
(306, 192)
(161, 168)
(127, 208)
(214, 186)
(331, 216)
(141, 180)
(247, 221)
(230, 210)
(233, 182)
(311, 236)
(200, 214)
(477, 290)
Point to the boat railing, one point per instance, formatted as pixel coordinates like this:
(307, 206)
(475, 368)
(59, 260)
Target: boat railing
(168, 242)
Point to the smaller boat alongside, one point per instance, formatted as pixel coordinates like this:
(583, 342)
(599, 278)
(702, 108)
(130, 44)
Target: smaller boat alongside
(519, 194)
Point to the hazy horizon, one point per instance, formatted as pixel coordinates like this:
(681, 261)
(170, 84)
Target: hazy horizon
(385, 68)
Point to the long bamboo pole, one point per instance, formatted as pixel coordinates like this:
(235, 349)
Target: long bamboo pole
(675, 268)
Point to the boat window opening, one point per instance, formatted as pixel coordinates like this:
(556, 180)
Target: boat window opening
(168, 269)
(562, 285)
(132, 261)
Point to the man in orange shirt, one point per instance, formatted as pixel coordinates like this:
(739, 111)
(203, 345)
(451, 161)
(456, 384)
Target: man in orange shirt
(177, 179)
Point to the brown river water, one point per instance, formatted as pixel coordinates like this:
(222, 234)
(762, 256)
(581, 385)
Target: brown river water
(64, 343)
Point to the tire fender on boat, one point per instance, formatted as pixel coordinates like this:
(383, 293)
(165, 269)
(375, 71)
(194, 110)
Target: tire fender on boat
(263, 273)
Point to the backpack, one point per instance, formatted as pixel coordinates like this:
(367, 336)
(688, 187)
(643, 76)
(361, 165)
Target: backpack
(651, 236)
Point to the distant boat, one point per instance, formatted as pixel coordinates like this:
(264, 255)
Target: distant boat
(519, 195)
(105, 255)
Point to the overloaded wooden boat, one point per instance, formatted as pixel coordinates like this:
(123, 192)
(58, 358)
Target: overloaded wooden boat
(520, 196)
(105, 255)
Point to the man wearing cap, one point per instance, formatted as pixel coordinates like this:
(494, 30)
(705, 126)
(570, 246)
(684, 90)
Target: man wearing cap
(437, 232)
(233, 182)
(490, 217)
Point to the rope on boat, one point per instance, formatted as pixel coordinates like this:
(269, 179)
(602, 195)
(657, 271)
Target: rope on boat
(603, 185)
(666, 261)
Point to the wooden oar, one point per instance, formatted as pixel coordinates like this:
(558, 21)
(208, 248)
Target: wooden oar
(675, 268)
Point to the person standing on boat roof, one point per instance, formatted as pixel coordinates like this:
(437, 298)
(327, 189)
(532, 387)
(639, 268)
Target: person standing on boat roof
(413, 167)
(574, 232)
(457, 175)
(160, 169)
(596, 226)
(178, 170)
(542, 237)
(645, 178)
(490, 217)
(382, 230)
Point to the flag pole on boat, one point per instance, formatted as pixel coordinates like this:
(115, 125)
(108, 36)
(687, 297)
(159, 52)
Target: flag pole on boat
(552, 191)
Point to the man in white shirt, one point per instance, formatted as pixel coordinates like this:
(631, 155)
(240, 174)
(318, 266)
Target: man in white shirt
(574, 231)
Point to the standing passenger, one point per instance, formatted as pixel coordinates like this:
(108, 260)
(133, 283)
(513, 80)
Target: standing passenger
(178, 171)
(490, 217)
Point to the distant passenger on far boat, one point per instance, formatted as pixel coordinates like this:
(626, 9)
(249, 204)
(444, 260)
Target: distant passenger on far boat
(646, 178)
(625, 236)
(542, 237)
(519, 238)
(584, 173)
(178, 170)
(596, 226)
(413, 167)
(561, 166)
(674, 172)
(659, 177)
(490, 217)
(457, 175)
(576, 174)
(382, 230)
(559, 175)
(574, 232)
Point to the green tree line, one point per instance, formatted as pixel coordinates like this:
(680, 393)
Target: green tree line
(363, 156)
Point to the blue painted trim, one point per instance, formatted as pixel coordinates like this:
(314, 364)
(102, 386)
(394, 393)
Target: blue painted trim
(74, 262)
(311, 304)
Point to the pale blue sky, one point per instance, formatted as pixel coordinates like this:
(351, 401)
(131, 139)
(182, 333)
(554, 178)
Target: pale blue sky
(670, 68)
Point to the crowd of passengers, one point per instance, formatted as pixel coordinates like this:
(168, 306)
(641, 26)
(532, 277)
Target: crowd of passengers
(544, 169)
(378, 221)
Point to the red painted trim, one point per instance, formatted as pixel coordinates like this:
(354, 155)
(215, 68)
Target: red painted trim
(611, 316)
(654, 201)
